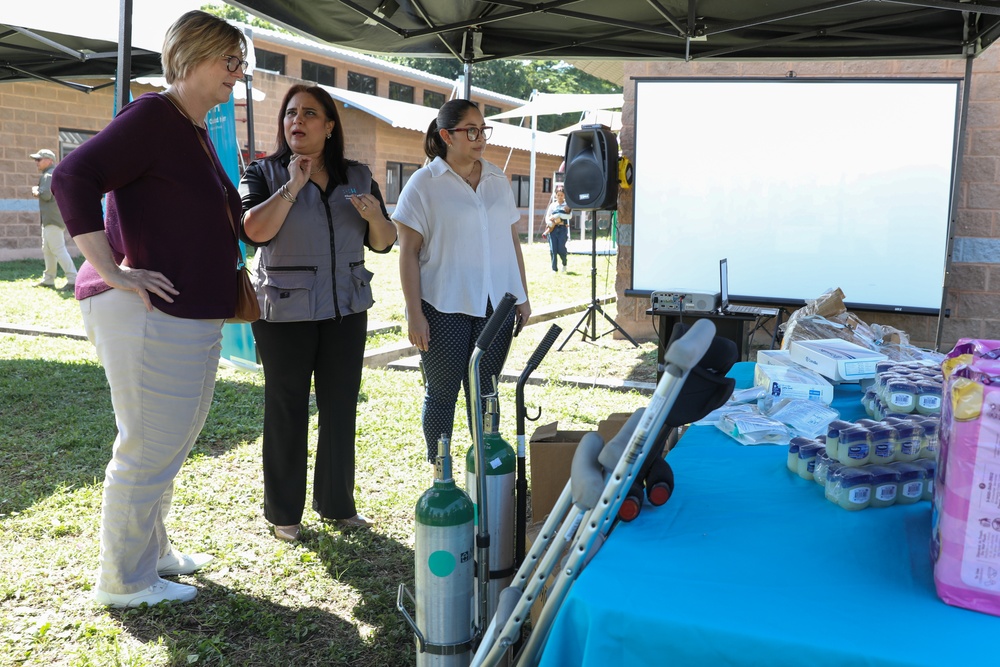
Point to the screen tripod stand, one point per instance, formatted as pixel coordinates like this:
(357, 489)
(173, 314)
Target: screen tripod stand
(595, 305)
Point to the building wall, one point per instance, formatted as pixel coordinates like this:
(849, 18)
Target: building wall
(974, 281)
(32, 114)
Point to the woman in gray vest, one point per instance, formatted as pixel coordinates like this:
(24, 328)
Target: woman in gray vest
(311, 212)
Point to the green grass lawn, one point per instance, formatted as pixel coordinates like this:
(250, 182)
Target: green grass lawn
(329, 600)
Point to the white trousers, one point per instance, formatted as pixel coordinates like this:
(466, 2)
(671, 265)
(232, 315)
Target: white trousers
(161, 370)
(54, 251)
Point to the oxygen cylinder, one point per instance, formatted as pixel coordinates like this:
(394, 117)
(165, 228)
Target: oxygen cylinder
(501, 464)
(444, 575)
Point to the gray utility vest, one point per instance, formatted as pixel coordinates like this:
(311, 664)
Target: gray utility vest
(314, 268)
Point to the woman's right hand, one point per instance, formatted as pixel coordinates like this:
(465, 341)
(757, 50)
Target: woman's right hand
(299, 169)
(419, 331)
(142, 282)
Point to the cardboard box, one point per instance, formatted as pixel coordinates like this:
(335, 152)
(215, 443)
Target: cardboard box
(550, 454)
(775, 357)
(608, 428)
(793, 381)
(836, 359)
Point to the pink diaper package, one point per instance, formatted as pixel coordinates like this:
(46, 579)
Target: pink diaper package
(965, 538)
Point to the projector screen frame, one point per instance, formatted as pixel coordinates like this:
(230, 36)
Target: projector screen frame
(943, 228)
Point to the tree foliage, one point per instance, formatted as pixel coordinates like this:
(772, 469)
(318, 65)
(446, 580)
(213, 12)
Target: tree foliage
(518, 78)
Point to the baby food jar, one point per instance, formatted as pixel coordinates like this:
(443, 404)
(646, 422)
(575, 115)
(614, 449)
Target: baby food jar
(882, 444)
(854, 488)
(930, 469)
(928, 397)
(793, 453)
(807, 460)
(885, 483)
(821, 467)
(853, 449)
(929, 447)
(911, 483)
(909, 437)
(833, 436)
(900, 396)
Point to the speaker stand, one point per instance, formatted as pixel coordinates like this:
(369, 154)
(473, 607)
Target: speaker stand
(595, 306)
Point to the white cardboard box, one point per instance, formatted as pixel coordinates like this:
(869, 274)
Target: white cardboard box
(836, 359)
(793, 381)
(775, 357)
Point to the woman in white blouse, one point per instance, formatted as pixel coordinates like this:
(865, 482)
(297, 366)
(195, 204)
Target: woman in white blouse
(459, 254)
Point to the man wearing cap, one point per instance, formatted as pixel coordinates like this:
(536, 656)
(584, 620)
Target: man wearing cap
(53, 228)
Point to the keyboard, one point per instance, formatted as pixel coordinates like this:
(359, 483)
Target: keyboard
(751, 310)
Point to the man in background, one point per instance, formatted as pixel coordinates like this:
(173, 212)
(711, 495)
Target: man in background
(53, 228)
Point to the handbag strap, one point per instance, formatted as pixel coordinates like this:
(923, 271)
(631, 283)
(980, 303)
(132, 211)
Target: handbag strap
(208, 154)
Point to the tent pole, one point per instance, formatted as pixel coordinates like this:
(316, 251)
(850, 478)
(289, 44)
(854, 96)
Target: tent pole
(124, 73)
(248, 79)
(956, 185)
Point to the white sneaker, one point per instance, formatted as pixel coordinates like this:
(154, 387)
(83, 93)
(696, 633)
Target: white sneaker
(175, 563)
(161, 591)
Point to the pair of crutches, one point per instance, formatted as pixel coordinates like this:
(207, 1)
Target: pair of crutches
(588, 506)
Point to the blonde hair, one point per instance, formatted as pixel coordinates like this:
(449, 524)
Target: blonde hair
(195, 37)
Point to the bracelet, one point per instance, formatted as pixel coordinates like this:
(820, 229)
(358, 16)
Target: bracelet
(286, 195)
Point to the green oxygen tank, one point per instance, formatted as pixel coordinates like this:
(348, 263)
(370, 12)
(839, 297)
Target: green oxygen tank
(443, 568)
(501, 465)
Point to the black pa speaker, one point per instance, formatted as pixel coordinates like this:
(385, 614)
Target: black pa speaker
(592, 169)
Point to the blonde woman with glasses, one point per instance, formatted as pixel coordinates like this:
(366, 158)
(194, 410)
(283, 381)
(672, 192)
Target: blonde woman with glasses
(459, 254)
(159, 280)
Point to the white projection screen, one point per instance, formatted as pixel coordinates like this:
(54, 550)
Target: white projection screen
(803, 185)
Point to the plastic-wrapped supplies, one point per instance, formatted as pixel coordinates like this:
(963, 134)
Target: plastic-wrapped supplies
(966, 519)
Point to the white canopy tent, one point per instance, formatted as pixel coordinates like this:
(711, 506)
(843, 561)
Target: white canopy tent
(542, 104)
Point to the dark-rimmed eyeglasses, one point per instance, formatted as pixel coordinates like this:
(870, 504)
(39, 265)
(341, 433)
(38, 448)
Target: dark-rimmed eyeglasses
(473, 132)
(234, 62)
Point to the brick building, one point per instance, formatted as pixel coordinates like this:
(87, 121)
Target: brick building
(385, 118)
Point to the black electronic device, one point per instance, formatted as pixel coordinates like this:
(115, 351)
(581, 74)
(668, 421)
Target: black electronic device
(592, 169)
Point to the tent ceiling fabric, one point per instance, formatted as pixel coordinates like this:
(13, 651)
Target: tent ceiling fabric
(643, 29)
(27, 54)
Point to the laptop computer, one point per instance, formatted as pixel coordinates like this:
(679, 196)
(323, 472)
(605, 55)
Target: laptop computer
(727, 308)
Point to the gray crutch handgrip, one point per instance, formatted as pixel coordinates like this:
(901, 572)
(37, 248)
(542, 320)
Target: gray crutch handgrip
(586, 475)
(612, 451)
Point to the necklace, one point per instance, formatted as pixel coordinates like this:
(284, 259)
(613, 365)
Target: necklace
(471, 172)
(316, 171)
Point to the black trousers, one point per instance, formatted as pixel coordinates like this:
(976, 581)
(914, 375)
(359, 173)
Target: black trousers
(446, 368)
(331, 353)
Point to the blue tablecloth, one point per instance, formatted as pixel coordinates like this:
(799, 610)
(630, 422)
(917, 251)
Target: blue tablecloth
(750, 565)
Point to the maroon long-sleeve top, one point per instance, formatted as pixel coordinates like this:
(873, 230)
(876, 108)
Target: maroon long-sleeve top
(166, 206)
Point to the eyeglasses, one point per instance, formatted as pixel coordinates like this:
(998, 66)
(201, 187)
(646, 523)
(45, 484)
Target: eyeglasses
(234, 62)
(473, 132)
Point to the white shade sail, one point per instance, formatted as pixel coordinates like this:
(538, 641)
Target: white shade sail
(543, 104)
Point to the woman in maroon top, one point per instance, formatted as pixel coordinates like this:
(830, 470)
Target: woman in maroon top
(159, 280)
